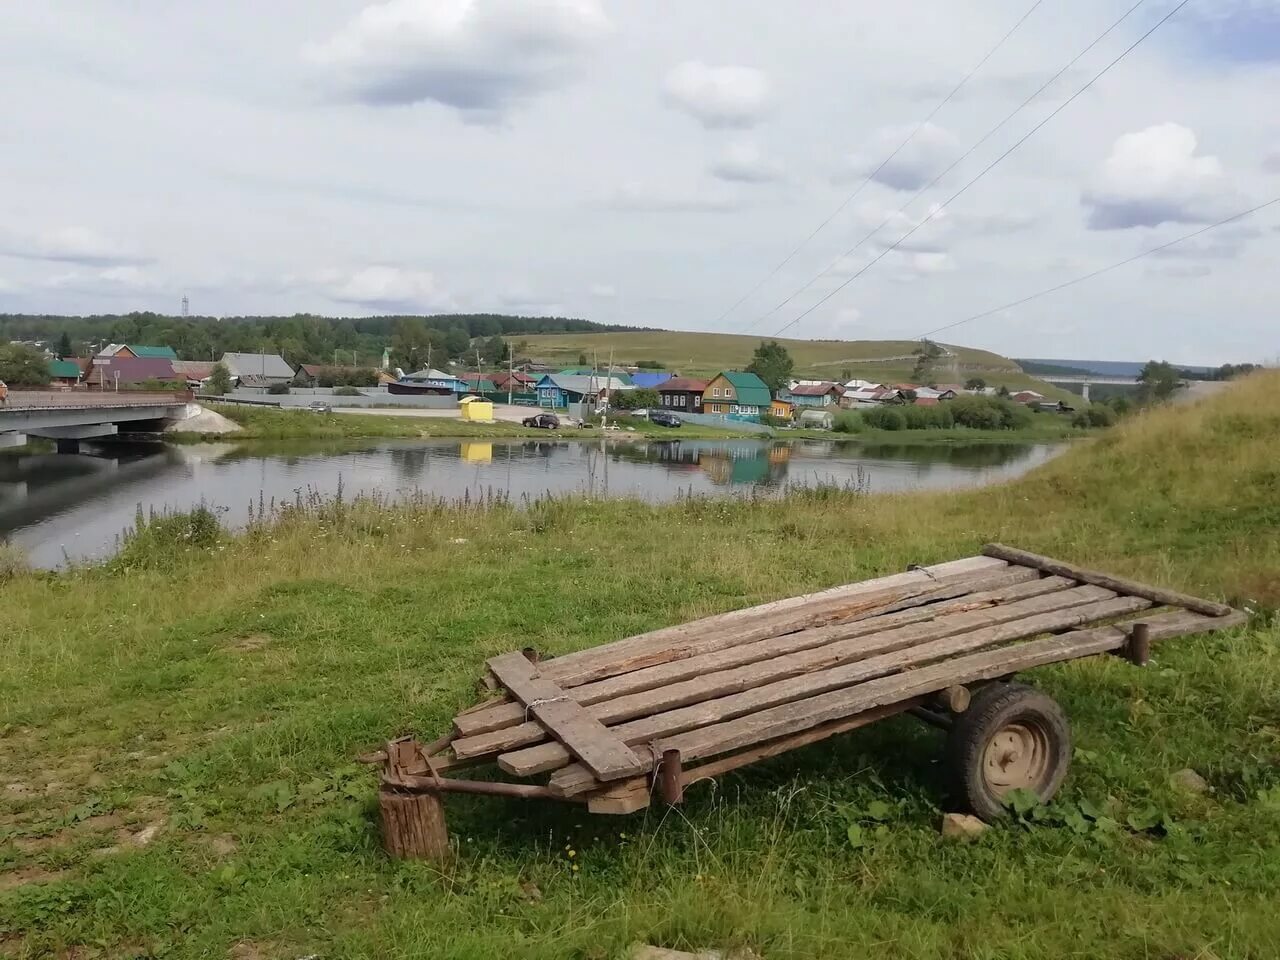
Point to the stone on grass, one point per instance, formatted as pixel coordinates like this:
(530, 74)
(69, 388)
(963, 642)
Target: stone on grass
(962, 826)
(643, 951)
(1190, 781)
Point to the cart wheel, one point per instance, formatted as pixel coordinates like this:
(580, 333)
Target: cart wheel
(1011, 737)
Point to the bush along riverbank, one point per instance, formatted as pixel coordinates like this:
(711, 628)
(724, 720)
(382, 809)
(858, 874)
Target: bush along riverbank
(179, 727)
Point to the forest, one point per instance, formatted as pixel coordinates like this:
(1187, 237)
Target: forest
(301, 338)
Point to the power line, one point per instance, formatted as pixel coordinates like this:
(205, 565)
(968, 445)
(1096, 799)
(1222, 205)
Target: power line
(988, 168)
(1102, 270)
(955, 163)
(902, 146)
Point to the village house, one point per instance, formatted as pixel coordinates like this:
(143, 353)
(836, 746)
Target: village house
(781, 409)
(257, 369)
(328, 375)
(125, 350)
(1028, 397)
(65, 373)
(736, 393)
(428, 381)
(121, 372)
(560, 390)
(683, 394)
(651, 379)
(823, 393)
(194, 372)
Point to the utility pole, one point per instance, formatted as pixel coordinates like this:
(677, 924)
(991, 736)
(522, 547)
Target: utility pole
(510, 373)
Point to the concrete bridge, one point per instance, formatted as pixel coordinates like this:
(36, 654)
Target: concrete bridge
(1086, 382)
(69, 417)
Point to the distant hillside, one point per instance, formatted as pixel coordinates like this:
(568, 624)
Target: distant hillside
(1102, 368)
(701, 354)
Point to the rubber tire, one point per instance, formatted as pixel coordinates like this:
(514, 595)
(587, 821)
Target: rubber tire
(992, 708)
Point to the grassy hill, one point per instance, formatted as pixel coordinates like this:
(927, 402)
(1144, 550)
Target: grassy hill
(700, 354)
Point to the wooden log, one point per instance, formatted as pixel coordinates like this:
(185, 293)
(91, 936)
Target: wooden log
(985, 665)
(955, 699)
(1004, 587)
(549, 756)
(670, 781)
(599, 750)
(413, 824)
(659, 646)
(715, 768)
(1139, 645)
(814, 650)
(1128, 587)
(626, 796)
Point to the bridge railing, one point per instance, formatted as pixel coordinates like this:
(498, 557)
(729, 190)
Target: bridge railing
(58, 399)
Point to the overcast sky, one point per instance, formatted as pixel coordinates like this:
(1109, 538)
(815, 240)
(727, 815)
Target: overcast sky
(649, 164)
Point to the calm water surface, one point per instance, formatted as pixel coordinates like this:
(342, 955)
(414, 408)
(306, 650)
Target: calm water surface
(59, 506)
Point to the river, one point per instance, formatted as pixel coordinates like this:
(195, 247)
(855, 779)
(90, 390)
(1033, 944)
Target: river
(59, 507)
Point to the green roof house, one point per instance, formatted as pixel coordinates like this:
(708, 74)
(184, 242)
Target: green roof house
(153, 353)
(736, 394)
(64, 371)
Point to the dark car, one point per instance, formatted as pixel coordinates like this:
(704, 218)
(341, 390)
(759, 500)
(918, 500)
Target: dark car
(543, 421)
(664, 419)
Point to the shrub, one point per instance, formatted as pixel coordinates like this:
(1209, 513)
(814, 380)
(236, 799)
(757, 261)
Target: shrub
(650, 364)
(640, 398)
(346, 392)
(13, 562)
(989, 413)
(848, 422)
(278, 388)
(154, 540)
(928, 418)
(1094, 415)
(885, 418)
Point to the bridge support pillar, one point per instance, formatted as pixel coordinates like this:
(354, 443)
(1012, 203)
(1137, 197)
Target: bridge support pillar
(12, 439)
(1084, 391)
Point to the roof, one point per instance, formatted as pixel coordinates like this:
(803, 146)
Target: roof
(816, 389)
(132, 369)
(932, 393)
(811, 413)
(600, 374)
(64, 368)
(576, 383)
(480, 385)
(431, 373)
(683, 385)
(782, 402)
(194, 369)
(269, 365)
(1023, 396)
(151, 353)
(749, 388)
(650, 378)
(926, 401)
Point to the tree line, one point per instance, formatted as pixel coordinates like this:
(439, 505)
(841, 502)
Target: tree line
(301, 338)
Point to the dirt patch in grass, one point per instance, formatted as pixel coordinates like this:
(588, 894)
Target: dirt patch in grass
(29, 874)
(250, 643)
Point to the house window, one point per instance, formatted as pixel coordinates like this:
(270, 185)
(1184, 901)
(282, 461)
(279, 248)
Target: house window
(715, 391)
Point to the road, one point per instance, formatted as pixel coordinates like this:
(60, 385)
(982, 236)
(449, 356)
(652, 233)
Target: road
(509, 413)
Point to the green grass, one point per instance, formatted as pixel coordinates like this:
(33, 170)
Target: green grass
(705, 354)
(219, 687)
(1044, 428)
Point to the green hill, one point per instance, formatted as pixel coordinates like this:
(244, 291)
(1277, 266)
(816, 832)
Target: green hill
(699, 354)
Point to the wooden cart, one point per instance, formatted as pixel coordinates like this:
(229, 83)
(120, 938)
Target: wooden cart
(614, 726)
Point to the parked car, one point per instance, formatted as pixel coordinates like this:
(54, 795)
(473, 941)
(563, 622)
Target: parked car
(543, 421)
(641, 414)
(664, 419)
(319, 406)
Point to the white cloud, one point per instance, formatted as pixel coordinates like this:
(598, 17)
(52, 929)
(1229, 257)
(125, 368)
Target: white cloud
(1271, 162)
(636, 196)
(926, 154)
(387, 289)
(604, 291)
(481, 57)
(719, 96)
(744, 162)
(74, 244)
(1155, 176)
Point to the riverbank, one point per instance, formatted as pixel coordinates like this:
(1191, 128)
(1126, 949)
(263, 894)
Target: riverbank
(179, 725)
(271, 423)
(1046, 428)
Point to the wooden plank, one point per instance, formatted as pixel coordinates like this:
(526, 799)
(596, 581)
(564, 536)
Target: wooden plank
(627, 796)
(811, 651)
(599, 750)
(799, 715)
(724, 629)
(987, 665)
(715, 768)
(1129, 587)
(548, 756)
(1003, 587)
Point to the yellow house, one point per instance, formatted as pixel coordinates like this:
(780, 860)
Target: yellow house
(782, 409)
(476, 408)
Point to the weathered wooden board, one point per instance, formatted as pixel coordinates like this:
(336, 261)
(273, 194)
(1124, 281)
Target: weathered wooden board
(797, 715)
(1004, 587)
(725, 629)
(1118, 584)
(599, 750)
(821, 652)
(549, 756)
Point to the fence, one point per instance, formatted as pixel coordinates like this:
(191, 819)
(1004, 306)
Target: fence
(303, 396)
(724, 421)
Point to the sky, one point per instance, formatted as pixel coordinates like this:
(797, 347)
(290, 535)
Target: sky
(653, 164)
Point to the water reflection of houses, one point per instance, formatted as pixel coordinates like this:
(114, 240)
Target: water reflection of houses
(723, 462)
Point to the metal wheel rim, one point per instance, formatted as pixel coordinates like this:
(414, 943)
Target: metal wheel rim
(1017, 757)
